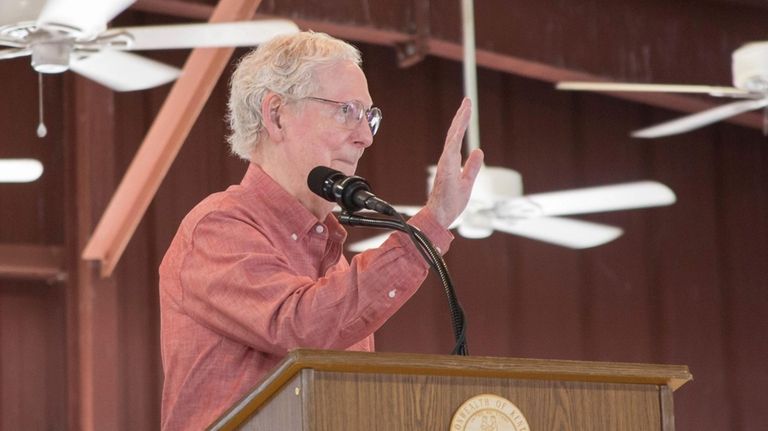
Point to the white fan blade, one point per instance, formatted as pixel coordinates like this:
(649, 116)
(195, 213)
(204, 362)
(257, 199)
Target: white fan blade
(245, 33)
(375, 241)
(700, 119)
(122, 71)
(565, 232)
(614, 197)
(651, 88)
(88, 16)
(372, 242)
(409, 210)
(13, 53)
(475, 231)
(16, 11)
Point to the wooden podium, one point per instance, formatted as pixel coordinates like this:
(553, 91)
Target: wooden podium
(353, 391)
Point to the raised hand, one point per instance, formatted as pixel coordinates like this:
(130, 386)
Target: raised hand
(453, 185)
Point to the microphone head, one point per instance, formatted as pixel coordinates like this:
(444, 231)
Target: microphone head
(321, 180)
(334, 186)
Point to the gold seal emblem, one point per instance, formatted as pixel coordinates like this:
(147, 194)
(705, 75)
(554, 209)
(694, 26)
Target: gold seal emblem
(488, 412)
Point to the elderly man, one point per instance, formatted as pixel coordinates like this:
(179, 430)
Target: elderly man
(258, 270)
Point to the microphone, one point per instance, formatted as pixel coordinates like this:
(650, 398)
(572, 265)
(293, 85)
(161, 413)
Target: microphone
(351, 193)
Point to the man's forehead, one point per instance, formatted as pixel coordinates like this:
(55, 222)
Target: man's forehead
(343, 81)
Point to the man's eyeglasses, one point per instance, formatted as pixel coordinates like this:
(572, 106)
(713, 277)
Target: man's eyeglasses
(350, 113)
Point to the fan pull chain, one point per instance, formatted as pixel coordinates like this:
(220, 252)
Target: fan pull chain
(41, 129)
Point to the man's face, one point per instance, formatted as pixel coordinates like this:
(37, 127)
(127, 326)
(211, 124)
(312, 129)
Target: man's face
(316, 134)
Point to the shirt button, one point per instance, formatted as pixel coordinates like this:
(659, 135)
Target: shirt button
(319, 228)
(392, 293)
(294, 236)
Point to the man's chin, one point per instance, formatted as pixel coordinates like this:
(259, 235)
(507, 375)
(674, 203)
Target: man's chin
(347, 168)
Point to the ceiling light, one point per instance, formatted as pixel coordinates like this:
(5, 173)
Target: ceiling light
(20, 170)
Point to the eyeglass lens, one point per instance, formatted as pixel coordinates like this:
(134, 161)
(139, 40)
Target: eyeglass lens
(354, 110)
(350, 113)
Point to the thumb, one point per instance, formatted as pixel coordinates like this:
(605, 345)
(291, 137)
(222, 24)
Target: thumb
(472, 166)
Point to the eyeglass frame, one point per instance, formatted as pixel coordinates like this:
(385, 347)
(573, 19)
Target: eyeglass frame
(373, 122)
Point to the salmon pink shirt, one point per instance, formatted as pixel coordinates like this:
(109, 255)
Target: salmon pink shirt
(252, 274)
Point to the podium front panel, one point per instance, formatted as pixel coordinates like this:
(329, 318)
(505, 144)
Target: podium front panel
(346, 401)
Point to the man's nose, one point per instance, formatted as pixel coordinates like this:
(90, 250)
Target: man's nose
(365, 133)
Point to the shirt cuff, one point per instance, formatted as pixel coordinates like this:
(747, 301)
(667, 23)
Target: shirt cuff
(426, 222)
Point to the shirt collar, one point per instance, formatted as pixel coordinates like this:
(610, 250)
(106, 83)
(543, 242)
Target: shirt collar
(264, 193)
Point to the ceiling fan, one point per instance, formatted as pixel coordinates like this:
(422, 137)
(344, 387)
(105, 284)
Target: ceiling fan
(61, 35)
(497, 202)
(749, 67)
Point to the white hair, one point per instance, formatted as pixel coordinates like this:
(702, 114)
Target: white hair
(283, 65)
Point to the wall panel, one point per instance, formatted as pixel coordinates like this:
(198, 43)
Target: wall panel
(685, 284)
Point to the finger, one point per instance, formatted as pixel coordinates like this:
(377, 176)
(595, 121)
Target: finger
(458, 126)
(450, 160)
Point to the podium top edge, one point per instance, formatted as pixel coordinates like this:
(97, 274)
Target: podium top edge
(673, 376)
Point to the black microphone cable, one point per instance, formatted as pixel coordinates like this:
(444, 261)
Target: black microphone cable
(457, 313)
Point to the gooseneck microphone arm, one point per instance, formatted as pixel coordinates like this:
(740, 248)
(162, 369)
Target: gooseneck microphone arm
(435, 260)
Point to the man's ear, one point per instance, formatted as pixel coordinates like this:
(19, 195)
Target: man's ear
(270, 113)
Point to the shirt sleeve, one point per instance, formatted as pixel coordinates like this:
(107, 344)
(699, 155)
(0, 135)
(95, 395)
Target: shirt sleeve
(236, 282)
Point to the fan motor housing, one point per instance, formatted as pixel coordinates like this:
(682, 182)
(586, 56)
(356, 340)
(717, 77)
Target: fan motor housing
(750, 67)
(51, 57)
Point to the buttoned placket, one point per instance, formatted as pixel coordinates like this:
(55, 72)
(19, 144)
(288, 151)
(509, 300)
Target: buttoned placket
(317, 237)
(321, 246)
